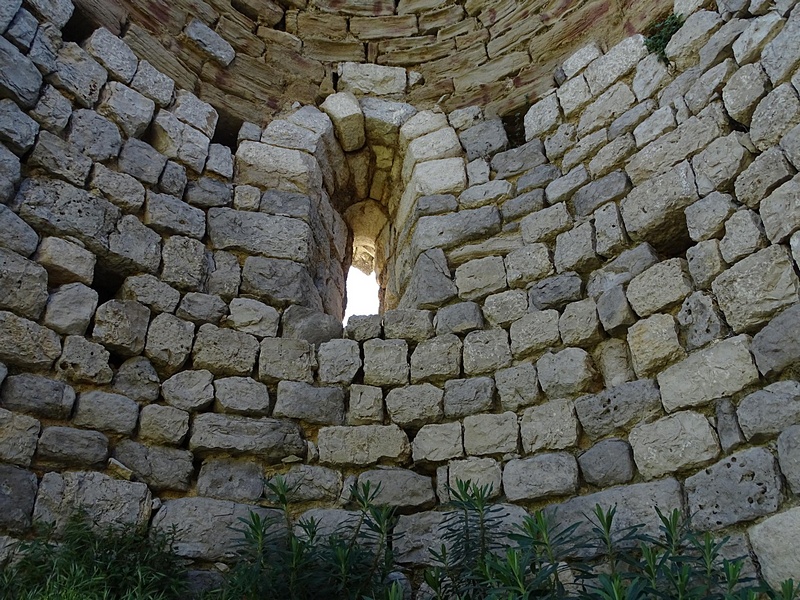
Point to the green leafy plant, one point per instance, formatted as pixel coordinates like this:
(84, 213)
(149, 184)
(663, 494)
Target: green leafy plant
(84, 563)
(294, 561)
(659, 35)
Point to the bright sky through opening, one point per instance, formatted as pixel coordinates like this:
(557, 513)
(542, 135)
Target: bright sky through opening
(362, 294)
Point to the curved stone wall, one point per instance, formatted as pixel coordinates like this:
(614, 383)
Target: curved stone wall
(606, 313)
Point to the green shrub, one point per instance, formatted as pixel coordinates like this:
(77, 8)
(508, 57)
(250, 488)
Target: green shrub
(120, 563)
(659, 35)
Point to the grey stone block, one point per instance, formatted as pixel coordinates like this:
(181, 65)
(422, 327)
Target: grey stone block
(107, 412)
(19, 435)
(567, 373)
(765, 413)
(541, 476)
(317, 405)
(160, 468)
(607, 463)
(38, 396)
(137, 379)
(121, 326)
(189, 390)
(163, 425)
(18, 489)
(270, 439)
(240, 481)
(618, 407)
(464, 397)
(777, 345)
(70, 447)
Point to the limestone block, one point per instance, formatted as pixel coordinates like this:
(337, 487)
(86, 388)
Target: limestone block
(113, 53)
(718, 165)
(611, 358)
(534, 332)
(386, 362)
(478, 172)
(364, 327)
(38, 396)
(150, 291)
(790, 144)
(339, 360)
(382, 118)
(479, 471)
(70, 308)
(678, 441)
(445, 231)
(776, 114)
(557, 144)
(721, 369)
(23, 284)
(437, 359)
(121, 326)
(170, 215)
(546, 224)
(527, 264)
(744, 235)
(173, 179)
(362, 445)
(573, 95)
(120, 189)
(209, 42)
(563, 188)
(739, 488)
(60, 158)
(552, 425)
(629, 120)
(106, 412)
(611, 104)
(609, 232)
(279, 282)
(483, 139)
(492, 192)
(431, 284)
(613, 310)
(743, 92)
(8, 12)
(400, 488)
(503, 308)
(317, 405)
(522, 158)
(19, 489)
(555, 291)
(684, 48)
(705, 263)
(575, 249)
(706, 218)
(311, 483)
(79, 74)
(541, 476)
(371, 79)
(542, 117)
(461, 317)
(425, 122)
(20, 434)
(607, 463)
(659, 287)
(163, 425)
(579, 324)
(789, 456)
(142, 161)
(464, 397)
(365, 406)
(159, 468)
(189, 391)
(137, 379)
(766, 413)
(348, 119)
(780, 57)
(184, 263)
(709, 85)
(654, 344)
(438, 442)
(177, 140)
(780, 211)
(193, 111)
(754, 289)
(775, 346)
(486, 351)
(609, 188)
(268, 166)
(70, 447)
(415, 405)
(618, 407)
(762, 177)
(700, 321)
(727, 426)
(283, 358)
(769, 540)
(653, 211)
(129, 109)
(18, 131)
(410, 325)
(584, 149)
(651, 75)
(490, 434)
(83, 361)
(153, 84)
(478, 278)
(614, 64)
(270, 439)
(241, 395)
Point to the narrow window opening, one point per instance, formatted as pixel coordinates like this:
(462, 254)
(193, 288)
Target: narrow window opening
(362, 294)
(79, 27)
(227, 130)
(514, 124)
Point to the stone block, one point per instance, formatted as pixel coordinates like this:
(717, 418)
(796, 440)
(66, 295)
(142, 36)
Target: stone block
(464, 397)
(137, 379)
(169, 215)
(79, 74)
(672, 443)
(18, 131)
(438, 442)
(339, 360)
(82, 361)
(317, 405)
(163, 425)
(446, 231)
(19, 435)
(769, 540)
(107, 412)
(528, 264)
(607, 463)
(555, 292)
(611, 358)
(706, 218)
(27, 344)
(659, 287)
(406, 324)
(282, 358)
(518, 386)
(542, 117)
(207, 192)
(552, 425)
(20, 81)
(579, 324)
(618, 407)
(279, 282)
(609, 106)
(700, 321)
(241, 395)
(776, 347)
(365, 406)
(609, 188)
(503, 308)
(23, 284)
(364, 327)
(780, 211)
(490, 434)
(486, 351)
(437, 359)
(780, 57)
(160, 468)
(613, 310)
(129, 109)
(741, 487)
(400, 488)
(523, 158)
(719, 164)
(121, 326)
(348, 119)
(744, 234)
(17, 496)
(614, 64)
(484, 139)
(70, 447)
(191, 391)
(744, 91)
(776, 114)
(789, 456)
(70, 308)
(705, 263)
(542, 476)
(386, 362)
(362, 445)
(766, 413)
(312, 483)
(224, 351)
(414, 406)
(479, 471)
(461, 317)
(270, 439)
(654, 344)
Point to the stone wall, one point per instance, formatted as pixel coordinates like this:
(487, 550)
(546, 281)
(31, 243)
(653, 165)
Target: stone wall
(252, 59)
(606, 314)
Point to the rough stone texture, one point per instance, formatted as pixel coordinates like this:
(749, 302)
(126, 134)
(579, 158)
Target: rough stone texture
(163, 425)
(517, 386)
(771, 541)
(436, 443)
(767, 412)
(480, 471)
(676, 442)
(486, 351)
(20, 433)
(490, 434)
(362, 445)
(607, 463)
(654, 344)
(780, 213)
(618, 407)
(223, 351)
(84, 362)
(23, 284)
(400, 488)
(70, 447)
(18, 489)
(776, 114)
(552, 425)
(755, 288)
(318, 405)
(189, 390)
(776, 347)
(700, 321)
(544, 475)
(235, 480)
(270, 439)
(464, 397)
(241, 395)
(137, 379)
(386, 362)
(121, 326)
(286, 359)
(159, 468)
(659, 287)
(169, 342)
(107, 412)
(566, 374)
(789, 456)
(437, 359)
(339, 360)
(365, 406)
(741, 487)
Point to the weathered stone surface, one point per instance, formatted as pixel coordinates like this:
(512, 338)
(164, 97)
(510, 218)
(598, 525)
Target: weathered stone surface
(417, 534)
(767, 412)
(163, 425)
(546, 224)
(706, 218)
(18, 489)
(70, 447)
(705, 263)
(19, 435)
(267, 235)
(430, 285)
(486, 351)
(744, 234)
(462, 317)
(776, 347)
(23, 284)
(365, 406)
(364, 327)
(552, 425)
(659, 287)
(18, 131)
(446, 231)
(741, 487)
(83, 361)
(771, 541)
(318, 405)
(436, 359)
(235, 480)
(270, 439)
(176, 140)
(202, 308)
(678, 441)
(607, 463)
(480, 471)
(654, 344)
(408, 324)
(618, 407)
(464, 397)
(386, 362)
(20, 80)
(614, 311)
(541, 476)
(223, 351)
(776, 114)
(198, 537)
(286, 359)
(575, 249)
(518, 386)
(104, 501)
(754, 289)
(107, 412)
(189, 390)
(27, 344)
(789, 456)
(253, 317)
(490, 434)
(566, 374)
(611, 357)
(436, 443)
(279, 282)
(780, 211)
(339, 360)
(556, 291)
(542, 117)
(193, 111)
(160, 468)
(241, 395)
(503, 308)
(700, 321)
(170, 215)
(137, 379)
(313, 483)
(400, 488)
(527, 264)
(362, 445)
(744, 91)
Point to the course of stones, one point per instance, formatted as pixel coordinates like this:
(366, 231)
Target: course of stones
(607, 313)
